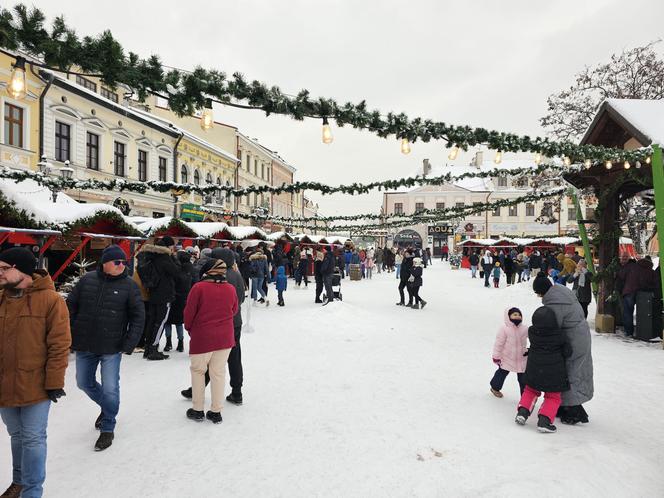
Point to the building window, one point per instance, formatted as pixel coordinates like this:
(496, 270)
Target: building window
(62, 138)
(440, 205)
(571, 213)
(109, 94)
(248, 161)
(419, 206)
(262, 170)
(157, 214)
(268, 175)
(590, 213)
(119, 157)
(13, 125)
(530, 209)
(496, 211)
(142, 165)
(84, 82)
(197, 177)
(184, 174)
(398, 208)
(513, 211)
(92, 151)
(502, 181)
(460, 204)
(162, 169)
(208, 179)
(255, 167)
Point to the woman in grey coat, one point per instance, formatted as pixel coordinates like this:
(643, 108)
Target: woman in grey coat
(572, 321)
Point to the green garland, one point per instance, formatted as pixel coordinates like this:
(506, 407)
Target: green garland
(24, 29)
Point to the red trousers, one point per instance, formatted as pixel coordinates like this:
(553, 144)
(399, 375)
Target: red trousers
(549, 407)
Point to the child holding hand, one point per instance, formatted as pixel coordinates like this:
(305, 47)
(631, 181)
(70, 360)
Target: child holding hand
(509, 350)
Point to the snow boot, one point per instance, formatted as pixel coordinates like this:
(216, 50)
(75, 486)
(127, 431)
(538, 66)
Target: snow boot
(261, 301)
(105, 440)
(186, 393)
(214, 417)
(416, 306)
(13, 491)
(180, 347)
(195, 415)
(545, 425)
(235, 398)
(400, 304)
(522, 415)
(156, 355)
(169, 345)
(98, 421)
(423, 303)
(496, 393)
(267, 303)
(318, 301)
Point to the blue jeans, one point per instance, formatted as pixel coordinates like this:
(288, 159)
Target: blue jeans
(179, 329)
(257, 288)
(106, 394)
(398, 265)
(628, 313)
(347, 268)
(473, 270)
(26, 426)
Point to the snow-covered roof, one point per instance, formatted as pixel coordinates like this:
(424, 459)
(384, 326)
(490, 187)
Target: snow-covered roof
(274, 236)
(206, 228)
(645, 115)
(240, 233)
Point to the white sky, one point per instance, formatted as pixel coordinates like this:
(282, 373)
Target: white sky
(481, 62)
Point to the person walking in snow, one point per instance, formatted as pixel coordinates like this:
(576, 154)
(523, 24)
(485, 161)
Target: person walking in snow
(444, 252)
(370, 263)
(509, 350)
(404, 276)
(282, 285)
(398, 260)
(182, 287)
(327, 270)
(582, 281)
(545, 369)
(415, 282)
(379, 259)
(487, 265)
(496, 275)
(474, 260)
(258, 274)
(318, 275)
(301, 271)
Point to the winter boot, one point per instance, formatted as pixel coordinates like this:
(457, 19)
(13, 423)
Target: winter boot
(195, 415)
(235, 398)
(105, 440)
(98, 421)
(186, 393)
(267, 303)
(545, 425)
(261, 301)
(214, 417)
(156, 355)
(400, 303)
(522, 415)
(496, 393)
(180, 347)
(169, 345)
(416, 306)
(13, 491)
(423, 303)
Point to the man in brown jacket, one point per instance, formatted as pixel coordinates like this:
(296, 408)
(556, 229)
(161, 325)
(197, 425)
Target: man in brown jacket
(34, 344)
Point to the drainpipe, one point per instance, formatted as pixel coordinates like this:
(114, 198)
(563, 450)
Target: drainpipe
(49, 82)
(175, 173)
(487, 215)
(236, 200)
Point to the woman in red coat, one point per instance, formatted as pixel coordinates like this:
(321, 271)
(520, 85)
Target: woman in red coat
(208, 317)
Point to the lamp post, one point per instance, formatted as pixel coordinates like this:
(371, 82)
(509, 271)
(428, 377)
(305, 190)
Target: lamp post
(47, 169)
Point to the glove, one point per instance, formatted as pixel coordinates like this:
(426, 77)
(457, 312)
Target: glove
(54, 394)
(497, 361)
(411, 279)
(526, 353)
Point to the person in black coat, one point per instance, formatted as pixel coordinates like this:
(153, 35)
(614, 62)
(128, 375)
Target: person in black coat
(415, 282)
(160, 296)
(582, 280)
(327, 270)
(106, 313)
(318, 275)
(404, 275)
(546, 370)
(474, 260)
(508, 268)
(183, 284)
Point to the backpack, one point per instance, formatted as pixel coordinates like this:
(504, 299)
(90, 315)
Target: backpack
(148, 272)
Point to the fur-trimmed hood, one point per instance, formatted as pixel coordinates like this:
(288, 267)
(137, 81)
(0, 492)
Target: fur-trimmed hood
(256, 256)
(151, 248)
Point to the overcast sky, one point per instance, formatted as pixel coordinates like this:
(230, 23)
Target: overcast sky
(481, 62)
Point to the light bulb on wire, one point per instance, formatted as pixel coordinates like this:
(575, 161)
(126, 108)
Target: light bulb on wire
(17, 87)
(207, 118)
(638, 164)
(538, 158)
(499, 158)
(627, 165)
(648, 160)
(453, 153)
(327, 132)
(588, 163)
(567, 161)
(405, 146)
(608, 164)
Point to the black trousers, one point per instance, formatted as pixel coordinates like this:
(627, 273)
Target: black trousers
(487, 275)
(403, 284)
(585, 308)
(319, 288)
(157, 316)
(416, 293)
(327, 283)
(500, 376)
(234, 364)
(141, 342)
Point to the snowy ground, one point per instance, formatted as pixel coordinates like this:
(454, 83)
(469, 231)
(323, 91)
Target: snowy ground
(364, 399)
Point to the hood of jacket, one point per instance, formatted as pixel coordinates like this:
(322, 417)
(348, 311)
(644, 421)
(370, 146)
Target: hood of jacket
(559, 294)
(256, 256)
(281, 271)
(645, 264)
(508, 322)
(153, 249)
(545, 318)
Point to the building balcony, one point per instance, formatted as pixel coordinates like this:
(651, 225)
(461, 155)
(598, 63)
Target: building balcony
(17, 158)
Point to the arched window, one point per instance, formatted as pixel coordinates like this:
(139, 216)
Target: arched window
(208, 179)
(184, 174)
(197, 177)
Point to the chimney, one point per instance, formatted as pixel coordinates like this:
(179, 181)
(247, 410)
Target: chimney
(479, 159)
(426, 167)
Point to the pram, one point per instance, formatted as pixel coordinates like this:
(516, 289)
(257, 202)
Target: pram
(336, 285)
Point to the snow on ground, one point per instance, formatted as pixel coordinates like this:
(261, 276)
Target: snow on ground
(365, 399)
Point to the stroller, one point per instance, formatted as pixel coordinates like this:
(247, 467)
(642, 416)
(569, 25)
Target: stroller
(336, 285)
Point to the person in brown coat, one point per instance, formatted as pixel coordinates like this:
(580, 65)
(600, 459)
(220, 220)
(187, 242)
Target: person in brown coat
(34, 347)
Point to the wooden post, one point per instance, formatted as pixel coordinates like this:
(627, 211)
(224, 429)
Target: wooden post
(71, 257)
(658, 185)
(608, 250)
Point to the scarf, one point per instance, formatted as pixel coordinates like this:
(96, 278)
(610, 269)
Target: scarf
(582, 277)
(217, 272)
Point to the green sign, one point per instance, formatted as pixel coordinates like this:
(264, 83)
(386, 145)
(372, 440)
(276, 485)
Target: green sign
(191, 212)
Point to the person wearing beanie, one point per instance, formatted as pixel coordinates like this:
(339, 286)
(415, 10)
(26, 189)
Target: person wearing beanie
(509, 349)
(541, 284)
(157, 272)
(496, 275)
(39, 338)
(235, 371)
(107, 316)
(415, 282)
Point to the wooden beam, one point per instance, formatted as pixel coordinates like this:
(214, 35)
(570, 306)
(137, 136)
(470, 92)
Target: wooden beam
(71, 257)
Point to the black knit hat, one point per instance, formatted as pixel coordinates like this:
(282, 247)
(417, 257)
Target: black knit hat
(113, 253)
(21, 258)
(166, 241)
(542, 284)
(514, 310)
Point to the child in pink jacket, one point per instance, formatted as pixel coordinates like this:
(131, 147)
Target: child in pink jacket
(509, 350)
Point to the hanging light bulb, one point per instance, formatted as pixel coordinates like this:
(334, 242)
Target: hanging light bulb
(648, 160)
(405, 146)
(453, 153)
(538, 158)
(588, 163)
(608, 164)
(567, 161)
(499, 158)
(627, 165)
(17, 87)
(638, 164)
(207, 116)
(327, 132)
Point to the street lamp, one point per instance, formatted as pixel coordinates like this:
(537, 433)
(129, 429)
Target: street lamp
(47, 169)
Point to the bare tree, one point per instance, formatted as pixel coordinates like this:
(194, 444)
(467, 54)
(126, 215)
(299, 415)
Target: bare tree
(637, 73)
